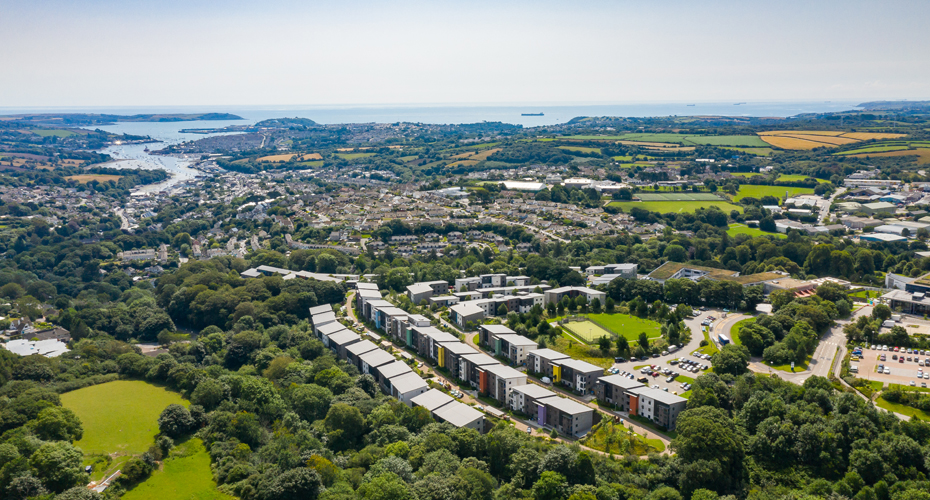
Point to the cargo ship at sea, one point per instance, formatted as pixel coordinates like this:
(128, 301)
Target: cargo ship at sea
(532, 114)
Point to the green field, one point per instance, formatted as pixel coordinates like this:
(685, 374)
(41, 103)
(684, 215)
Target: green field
(354, 156)
(797, 177)
(753, 151)
(747, 174)
(902, 409)
(664, 207)
(751, 191)
(120, 416)
(46, 132)
(872, 149)
(735, 229)
(312, 163)
(682, 196)
(627, 325)
(686, 140)
(734, 332)
(615, 438)
(581, 149)
(586, 331)
(186, 475)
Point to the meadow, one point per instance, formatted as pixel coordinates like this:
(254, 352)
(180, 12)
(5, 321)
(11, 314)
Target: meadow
(46, 132)
(685, 140)
(753, 151)
(581, 149)
(673, 196)
(922, 154)
(185, 475)
(664, 207)
(354, 156)
(754, 191)
(810, 139)
(120, 416)
(796, 178)
(735, 229)
(85, 178)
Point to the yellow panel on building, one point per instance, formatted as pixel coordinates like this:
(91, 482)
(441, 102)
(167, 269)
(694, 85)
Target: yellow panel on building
(442, 357)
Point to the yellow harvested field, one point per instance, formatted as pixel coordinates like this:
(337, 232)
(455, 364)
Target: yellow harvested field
(923, 155)
(791, 143)
(311, 156)
(464, 163)
(276, 158)
(483, 155)
(865, 136)
(835, 141)
(85, 178)
(802, 132)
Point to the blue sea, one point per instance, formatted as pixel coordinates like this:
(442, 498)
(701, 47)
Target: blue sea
(445, 114)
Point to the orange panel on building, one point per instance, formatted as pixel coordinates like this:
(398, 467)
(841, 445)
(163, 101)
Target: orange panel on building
(634, 405)
(483, 382)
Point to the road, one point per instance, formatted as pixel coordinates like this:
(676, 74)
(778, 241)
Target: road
(124, 222)
(825, 210)
(531, 228)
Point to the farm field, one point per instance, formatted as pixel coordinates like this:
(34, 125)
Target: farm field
(873, 149)
(185, 475)
(735, 229)
(796, 177)
(683, 196)
(752, 191)
(581, 149)
(45, 132)
(85, 178)
(810, 139)
(922, 154)
(746, 174)
(664, 207)
(753, 151)
(685, 140)
(311, 163)
(354, 156)
(120, 416)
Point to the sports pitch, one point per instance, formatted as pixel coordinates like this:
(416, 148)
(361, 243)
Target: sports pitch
(587, 331)
(678, 197)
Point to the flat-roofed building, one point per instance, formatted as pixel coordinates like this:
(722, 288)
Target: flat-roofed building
(383, 317)
(514, 347)
(523, 398)
(327, 330)
(626, 271)
(418, 292)
(566, 416)
(556, 294)
(322, 319)
(373, 359)
(498, 380)
(407, 386)
(354, 351)
(384, 373)
(487, 332)
(463, 313)
(460, 415)
(429, 339)
(470, 367)
(371, 306)
(659, 406)
(340, 340)
(577, 374)
(362, 297)
(320, 309)
(614, 389)
(451, 355)
(541, 361)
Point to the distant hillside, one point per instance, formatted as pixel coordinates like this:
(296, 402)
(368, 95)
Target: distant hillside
(286, 123)
(895, 105)
(80, 119)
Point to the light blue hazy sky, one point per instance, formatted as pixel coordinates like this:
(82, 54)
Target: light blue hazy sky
(233, 52)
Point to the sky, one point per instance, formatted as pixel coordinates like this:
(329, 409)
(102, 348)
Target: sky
(231, 52)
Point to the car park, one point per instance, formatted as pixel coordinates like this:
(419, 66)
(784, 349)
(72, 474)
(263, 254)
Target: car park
(887, 371)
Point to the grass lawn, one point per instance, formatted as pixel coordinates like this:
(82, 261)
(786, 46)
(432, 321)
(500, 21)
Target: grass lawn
(710, 348)
(735, 229)
(185, 475)
(734, 332)
(645, 422)
(798, 367)
(45, 132)
(571, 346)
(664, 207)
(747, 174)
(797, 177)
(753, 191)
(865, 294)
(627, 325)
(354, 156)
(120, 416)
(754, 151)
(902, 409)
(614, 438)
(677, 196)
(907, 388)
